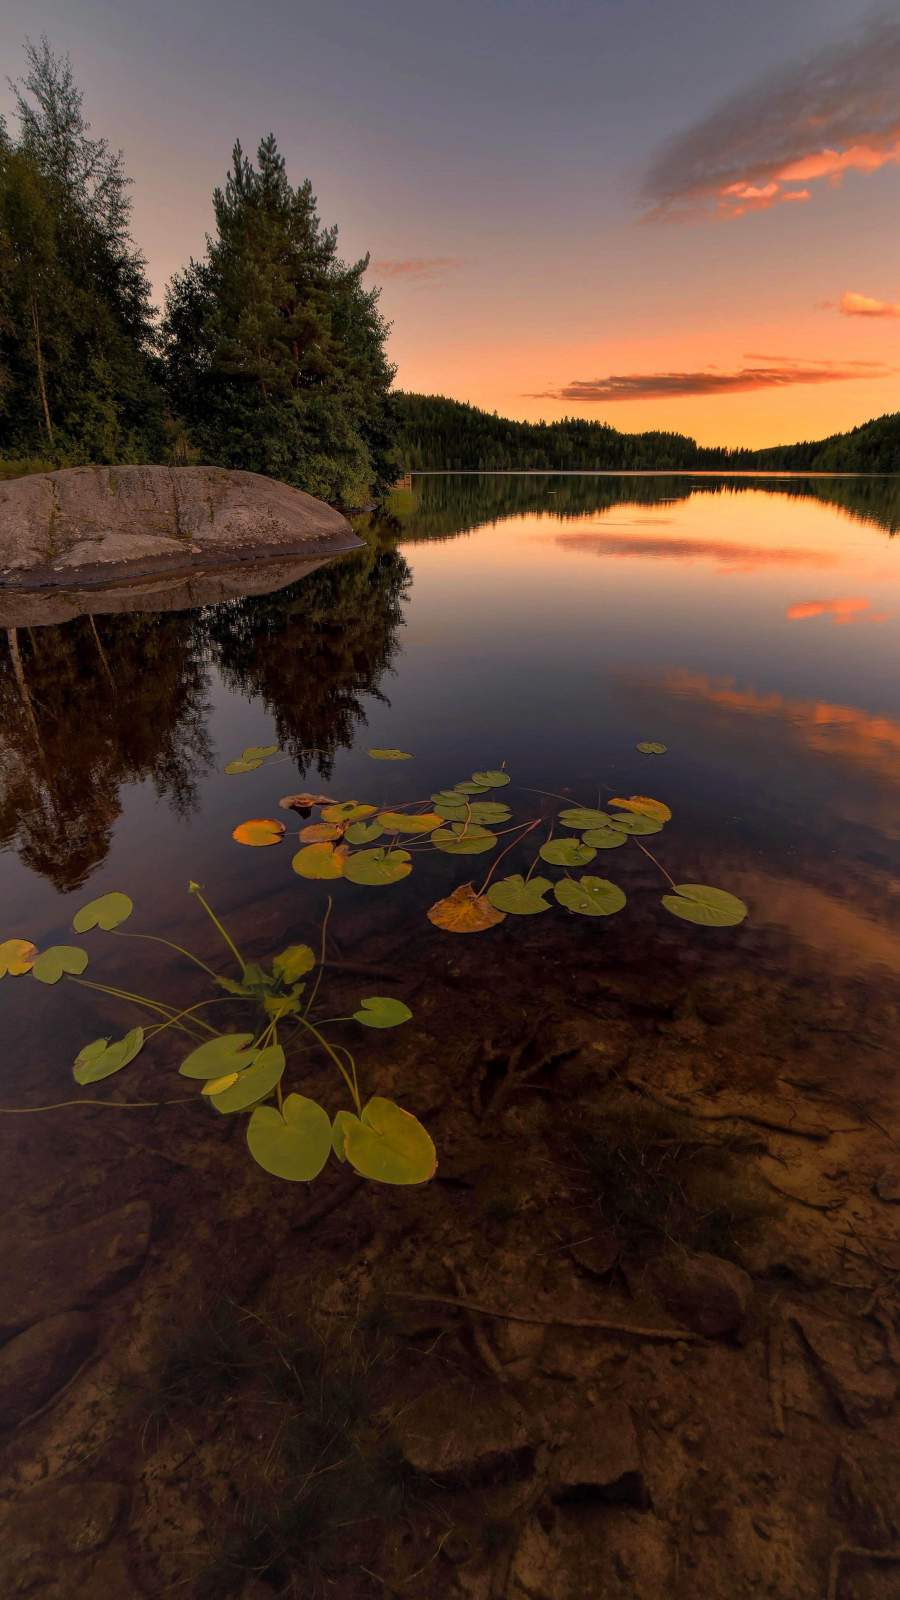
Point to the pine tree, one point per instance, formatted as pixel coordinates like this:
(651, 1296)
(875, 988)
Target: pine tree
(274, 348)
(79, 377)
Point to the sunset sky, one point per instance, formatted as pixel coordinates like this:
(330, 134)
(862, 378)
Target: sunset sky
(674, 214)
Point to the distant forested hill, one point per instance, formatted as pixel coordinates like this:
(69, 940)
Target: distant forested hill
(439, 435)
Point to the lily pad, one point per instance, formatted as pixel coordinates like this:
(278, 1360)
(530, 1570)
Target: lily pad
(581, 817)
(254, 1083)
(240, 765)
(380, 1011)
(218, 1085)
(453, 812)
(604, 838)
(388, 1144)
(591, 897)
(464, 911)
(449, 797)
(461, 839)
(303, 802)
(644, 806)
(321, 861)
(277, 1006)
(649, 747)
(632, 824)
(293, 962)
(390, 755)
(107, 912)
(363, 832)
(495, 779)
(59, 958)
(293, 1143)
(711, 908)
(258, 752)
(409, 821)
(259, 831)
(103, 1057)
(378, 867)
(226, 1053)
(491, 811)
(347, 811)
(320, 832)
(471, 787)
(519, 898)
(339, 1132)
(567, 853)
(16, 957)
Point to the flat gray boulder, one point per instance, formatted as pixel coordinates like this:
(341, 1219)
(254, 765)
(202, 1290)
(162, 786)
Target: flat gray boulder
(95, 525)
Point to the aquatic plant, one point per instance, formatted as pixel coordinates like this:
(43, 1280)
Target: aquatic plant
(360, 843)
(288, 1134)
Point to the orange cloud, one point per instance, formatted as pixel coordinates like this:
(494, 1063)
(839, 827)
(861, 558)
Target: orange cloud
(730, 557)
(675, 385)
(840, 611)
(845, 733)
(861, 305)
(420, 269)
(814, 121)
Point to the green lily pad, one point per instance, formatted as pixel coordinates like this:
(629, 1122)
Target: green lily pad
(519, 898)
(567, 853)
(339, 1132)
(591, 897)
(227, 1053)
(450, 797)
(293, 1143)
(103, 1057)
(258, 752)
(240, 765)
(380, 1011)
(491, 811)
(50, 965)
(363, 832)
(629, 822)
(450, 812)
(604, 838)
(347, 811)
(388, 1144)
(378, 867)
(649, 747)
(462, 840)
(495, 779)
(471, 787)
(581, 817)
(106, 912)
(278, 1006)
(409, 821)
(390, 755)
(255, 1082)
(711, 908)
(293, 962)
(321, 861)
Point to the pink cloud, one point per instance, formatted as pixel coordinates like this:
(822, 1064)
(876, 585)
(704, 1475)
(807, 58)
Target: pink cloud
(814, 121)
(675, 385)
(841, 611)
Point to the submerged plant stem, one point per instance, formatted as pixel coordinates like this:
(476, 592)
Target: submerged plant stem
(351, 1085)
(668, 877)
(141, 1000)
(223, 931)
(309, 1004)
(523, 833)
(156, 938)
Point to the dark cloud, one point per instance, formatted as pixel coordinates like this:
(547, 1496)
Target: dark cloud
(674, 385)
(836, 111)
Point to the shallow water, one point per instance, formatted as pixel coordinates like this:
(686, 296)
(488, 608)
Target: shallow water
(549, 624)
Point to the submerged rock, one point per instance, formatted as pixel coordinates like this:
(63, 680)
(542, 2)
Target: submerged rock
(600, 1460)
(707, 1294)
(465, 1433)
(97, 523)
(851, 1366)
(72, 1268)
(37, 1363)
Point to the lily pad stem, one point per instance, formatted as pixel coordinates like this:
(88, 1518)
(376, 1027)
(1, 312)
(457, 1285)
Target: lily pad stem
(522, 835)
(223, 931)
(157, 939)
(669, 879)
(350, 1082)
(141, 1000)
(315, 989)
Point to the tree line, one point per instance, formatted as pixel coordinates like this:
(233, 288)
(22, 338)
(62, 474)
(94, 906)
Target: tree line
(440, 435)
(270, 353)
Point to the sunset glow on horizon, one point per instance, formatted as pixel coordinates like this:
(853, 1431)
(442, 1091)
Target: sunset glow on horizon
(567, 207)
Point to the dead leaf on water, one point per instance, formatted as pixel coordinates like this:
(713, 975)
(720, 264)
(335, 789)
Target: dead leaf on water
(464, 911)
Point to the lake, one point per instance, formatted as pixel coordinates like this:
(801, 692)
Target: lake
(542, 627)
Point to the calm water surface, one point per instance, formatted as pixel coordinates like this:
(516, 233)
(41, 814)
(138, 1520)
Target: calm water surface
(550, 623)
